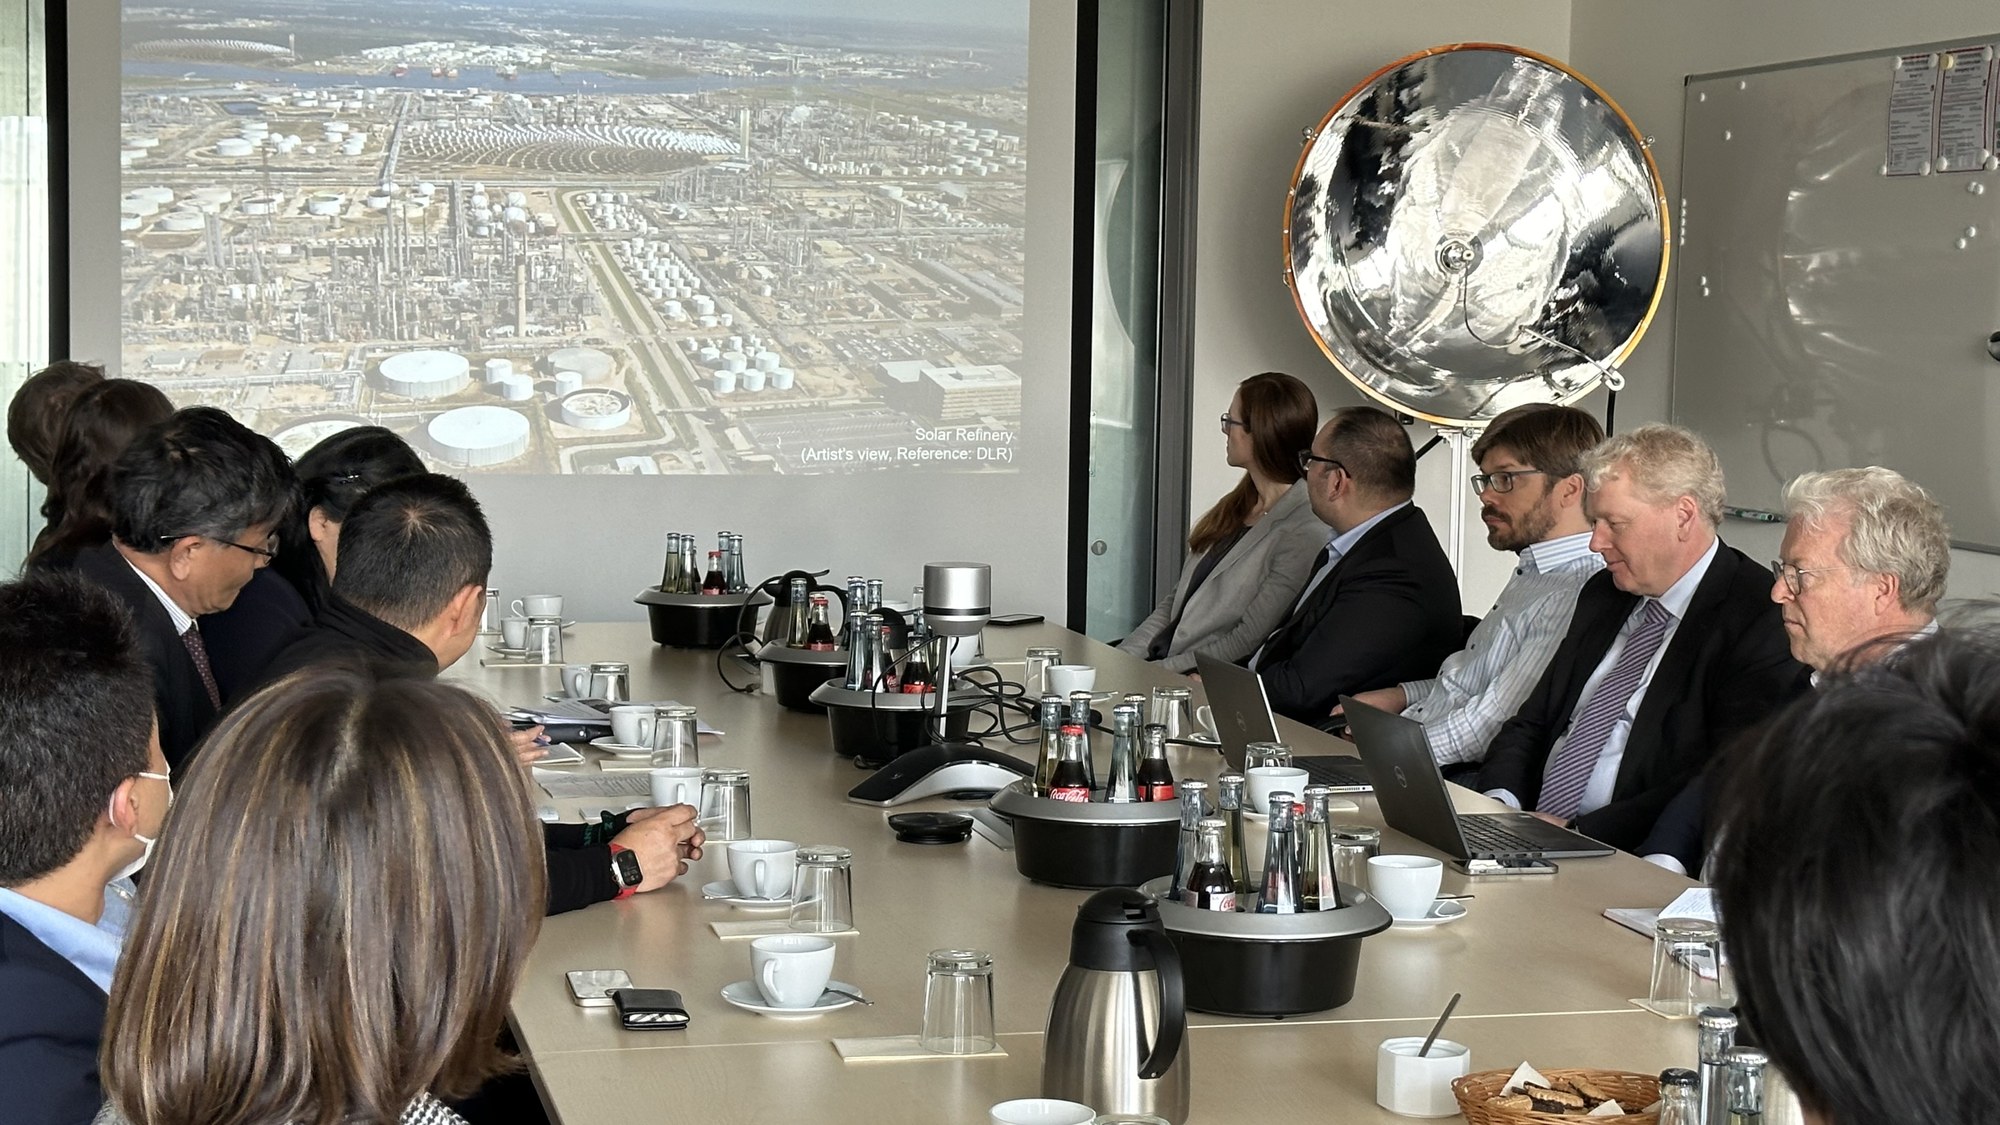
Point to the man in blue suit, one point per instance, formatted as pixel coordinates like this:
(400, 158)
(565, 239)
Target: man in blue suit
(83, 794)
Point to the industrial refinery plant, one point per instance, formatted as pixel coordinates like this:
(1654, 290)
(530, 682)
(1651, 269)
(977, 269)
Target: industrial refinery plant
(563, 240)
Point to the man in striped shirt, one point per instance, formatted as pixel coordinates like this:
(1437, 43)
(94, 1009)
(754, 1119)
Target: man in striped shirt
(1530, 488)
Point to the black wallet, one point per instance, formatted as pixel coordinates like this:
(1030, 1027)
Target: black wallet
(650, 1009)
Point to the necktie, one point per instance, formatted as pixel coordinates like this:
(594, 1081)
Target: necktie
(1319, 563)
(1569, 772)
(192, 639)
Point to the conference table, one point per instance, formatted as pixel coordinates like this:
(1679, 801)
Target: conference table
(1545, 977)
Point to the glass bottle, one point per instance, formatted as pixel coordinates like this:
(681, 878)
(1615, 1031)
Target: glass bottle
(798, 630)
(1680, 1097)
(1715, 1035)
(1156, 778)
(739, 582)
(857, 593)
(1069, 782)
(1280, 894)
(860, 639)
(690, 566)
(1079, 717)
(917, 675)
(1746, 1086)
(1319, 888)
(1122, 787)
(1194, 809)
(711, 579)
(874, 594)
(1229, 802)
(881, 669)
(1209, 885)
(819, 631)
(670, 575)
(1050, 715)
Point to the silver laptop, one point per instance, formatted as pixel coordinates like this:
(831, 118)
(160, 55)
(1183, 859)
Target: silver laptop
(1415, 802)
(1242, 715)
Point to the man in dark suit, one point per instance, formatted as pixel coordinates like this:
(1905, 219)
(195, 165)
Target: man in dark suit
(1382, 604)
(1673, 649)
(83, 793)
(195, 501)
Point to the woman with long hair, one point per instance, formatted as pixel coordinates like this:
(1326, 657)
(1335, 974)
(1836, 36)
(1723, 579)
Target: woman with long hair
(332, 476)
(1250, 554)
(100, 422)
(346, 891)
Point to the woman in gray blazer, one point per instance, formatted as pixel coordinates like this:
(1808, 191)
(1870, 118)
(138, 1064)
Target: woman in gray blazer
(1249, 555)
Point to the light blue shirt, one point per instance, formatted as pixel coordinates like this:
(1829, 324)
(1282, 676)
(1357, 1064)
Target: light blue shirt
(93, 949)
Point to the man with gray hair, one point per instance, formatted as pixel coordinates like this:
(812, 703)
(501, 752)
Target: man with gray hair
(1673, 648)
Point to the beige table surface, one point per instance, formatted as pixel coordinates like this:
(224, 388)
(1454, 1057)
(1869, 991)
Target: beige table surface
(1530, 945)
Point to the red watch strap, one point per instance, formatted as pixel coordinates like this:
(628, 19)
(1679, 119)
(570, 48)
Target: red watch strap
(623, 890)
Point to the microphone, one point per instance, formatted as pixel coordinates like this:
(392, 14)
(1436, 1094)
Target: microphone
(958, 597)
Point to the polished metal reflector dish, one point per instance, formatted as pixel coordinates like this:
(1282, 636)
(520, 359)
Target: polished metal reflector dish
(1472, 228)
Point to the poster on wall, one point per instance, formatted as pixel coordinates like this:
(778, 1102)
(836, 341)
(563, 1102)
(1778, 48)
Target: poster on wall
(589, 236)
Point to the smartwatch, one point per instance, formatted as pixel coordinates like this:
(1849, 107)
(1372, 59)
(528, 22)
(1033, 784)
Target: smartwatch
(625, 872)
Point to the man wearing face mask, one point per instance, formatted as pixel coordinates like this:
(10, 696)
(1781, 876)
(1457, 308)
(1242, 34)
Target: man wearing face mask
(84, 792)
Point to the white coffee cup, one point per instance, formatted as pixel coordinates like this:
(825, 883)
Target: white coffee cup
(1406, 885)
(1065, 678)
(632, 724)
(1204, 717)
(677, 785)
(762, 868)
(1419, 1086)
(1041, 1111)
(791, 970)
(576, 680)
(514, 632)
(539, 605)
(1259, 782)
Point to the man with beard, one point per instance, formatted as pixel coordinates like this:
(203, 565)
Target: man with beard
(1530, 486)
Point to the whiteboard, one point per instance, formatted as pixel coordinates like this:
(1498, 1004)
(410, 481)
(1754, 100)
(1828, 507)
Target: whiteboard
(1831, 314)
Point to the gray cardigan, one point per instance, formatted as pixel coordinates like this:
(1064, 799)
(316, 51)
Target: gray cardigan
(1248, 592)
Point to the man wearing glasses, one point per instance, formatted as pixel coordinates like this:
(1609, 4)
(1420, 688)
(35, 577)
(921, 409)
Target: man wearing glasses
(195, 502)
(1382, 604)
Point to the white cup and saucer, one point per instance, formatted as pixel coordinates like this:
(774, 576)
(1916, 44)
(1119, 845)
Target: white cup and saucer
(1407, 887)
(789, 978)
(760, 875)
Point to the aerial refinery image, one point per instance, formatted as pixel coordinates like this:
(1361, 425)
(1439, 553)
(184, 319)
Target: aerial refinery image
(595, 237)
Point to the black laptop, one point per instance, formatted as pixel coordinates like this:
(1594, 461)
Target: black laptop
(1242, 715)
(1414, 801)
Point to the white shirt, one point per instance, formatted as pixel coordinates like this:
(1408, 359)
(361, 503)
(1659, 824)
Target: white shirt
(1604, 775)
(182, 619)
(1337, 546)
(1481, 686)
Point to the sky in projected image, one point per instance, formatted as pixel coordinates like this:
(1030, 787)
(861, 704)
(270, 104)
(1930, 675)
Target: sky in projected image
(608, 236)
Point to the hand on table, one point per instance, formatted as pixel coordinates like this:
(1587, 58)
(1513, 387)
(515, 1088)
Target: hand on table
(664, 839)
(1390, 699)
(529, 745)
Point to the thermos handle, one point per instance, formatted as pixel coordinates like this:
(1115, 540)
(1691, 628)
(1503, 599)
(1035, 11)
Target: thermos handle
(1173, 1001)
(838, 593)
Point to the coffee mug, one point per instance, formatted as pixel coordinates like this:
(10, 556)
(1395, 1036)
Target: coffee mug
(1419, 1085)
(576, 680)
(1040, 1111)
(1204, 717)
(1066, 678)
(791, 970)
(1406, 884)
(632, 724)
(1259, 782)
(539, 605)
(514, 632)
(677, 785)
(762, 868)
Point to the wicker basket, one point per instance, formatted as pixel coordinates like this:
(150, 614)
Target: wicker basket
(1633, 1091)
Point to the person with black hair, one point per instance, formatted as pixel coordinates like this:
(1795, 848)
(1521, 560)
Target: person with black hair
(84, 791)
(333, 476)
(101, 421)
(1853, 872)
(195, 501)
(34, 423)
(408, 586)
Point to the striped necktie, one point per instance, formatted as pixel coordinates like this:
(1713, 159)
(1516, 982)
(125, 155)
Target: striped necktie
(1569, 772)
(199, 651)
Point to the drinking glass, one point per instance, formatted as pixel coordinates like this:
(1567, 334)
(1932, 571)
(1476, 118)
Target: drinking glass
(1266, 754)
(725, 805)
(489, 614)
(674, 739)
(1688, 974)
(611, 680)
(1172, 708)
(823, 890)
(958, 1002)
(1035, 669)
(545, 644)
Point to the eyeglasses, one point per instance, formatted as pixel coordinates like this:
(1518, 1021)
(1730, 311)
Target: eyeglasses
(265, 552)
(1307, 458)
(1501, 481)
(1794, 577)
(1227, 422)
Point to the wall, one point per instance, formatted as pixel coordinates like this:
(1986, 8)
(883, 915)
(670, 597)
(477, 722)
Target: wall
(1271, 68)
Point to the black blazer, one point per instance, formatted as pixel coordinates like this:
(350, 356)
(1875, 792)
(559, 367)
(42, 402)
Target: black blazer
(51, 1019)
(1388, 613)
(1728, 665)
(179, 699)
(266, 617)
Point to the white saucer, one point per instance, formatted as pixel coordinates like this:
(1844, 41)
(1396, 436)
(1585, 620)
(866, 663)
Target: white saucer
(1443, 912)
(505, 651)
(724, 890)
(621, 749)
(744, 995)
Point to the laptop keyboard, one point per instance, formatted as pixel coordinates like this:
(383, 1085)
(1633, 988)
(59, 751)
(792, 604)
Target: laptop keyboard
(1345, 773)
(1485, 834)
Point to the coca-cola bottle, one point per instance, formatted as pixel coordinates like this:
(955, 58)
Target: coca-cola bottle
(1194, 809)
(1079, 717)
(819, 631)
(1318, 889)
(1069, 782)
(711, 580)
(1156, 778)
(1209, 885)
(1123, 785)
(881, 667)
(917, 675)
(1229, 802)
(1281, 861)
(1050, 715)
(797, 631)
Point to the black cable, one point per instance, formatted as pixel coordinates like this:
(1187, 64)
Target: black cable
(748, 655)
